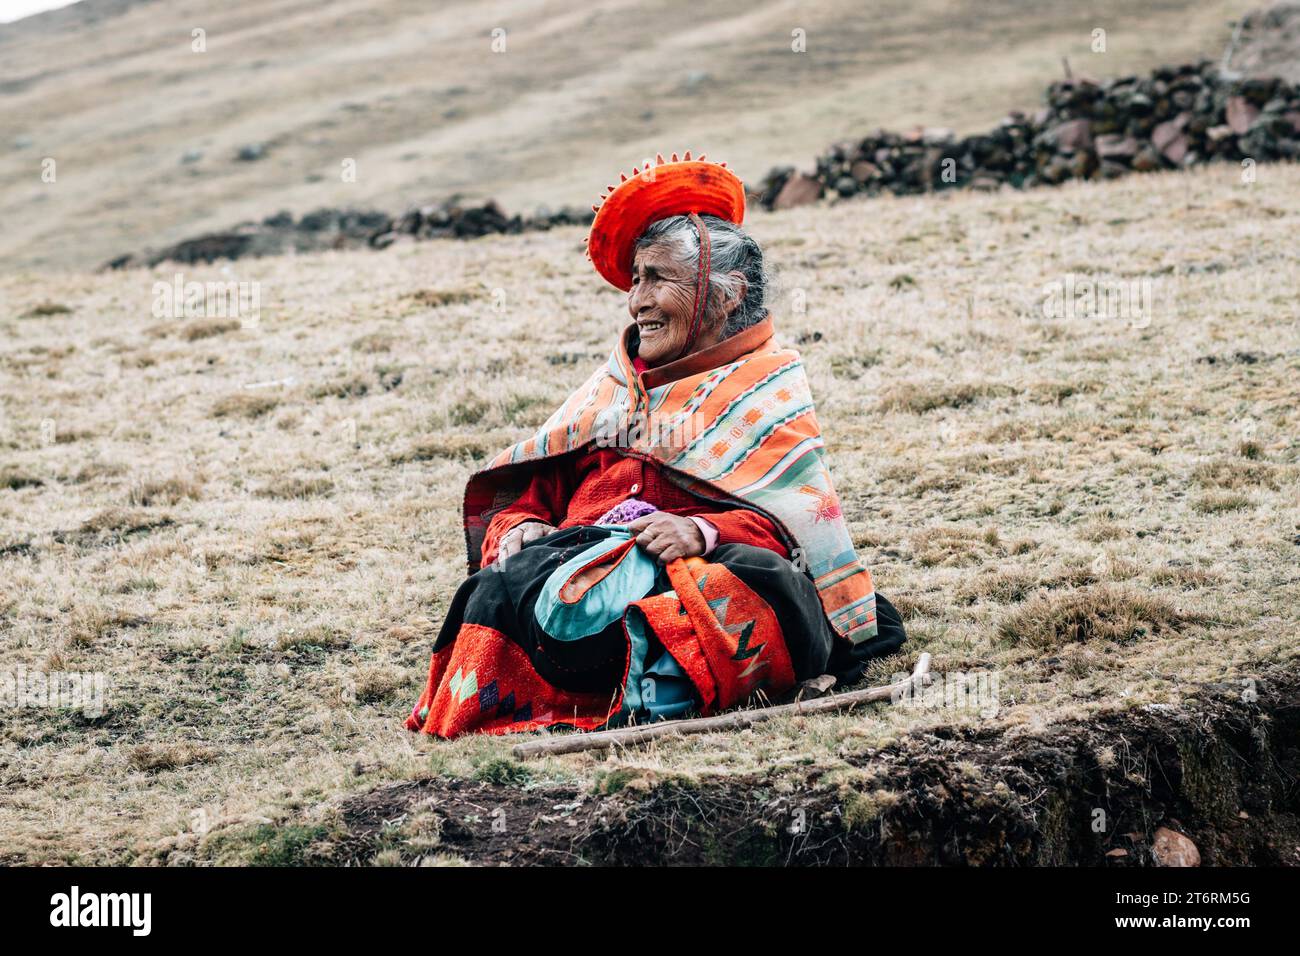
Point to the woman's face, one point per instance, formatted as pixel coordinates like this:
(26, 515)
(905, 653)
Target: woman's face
(660, 301)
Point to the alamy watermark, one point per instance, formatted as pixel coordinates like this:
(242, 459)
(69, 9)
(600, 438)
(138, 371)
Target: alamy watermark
(74, 908)
(614, 429)
(1132, 301)
(231, 299)
(56, 689)
(975, 691)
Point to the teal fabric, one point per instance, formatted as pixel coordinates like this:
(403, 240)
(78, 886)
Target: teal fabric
(658, 690)
(605, 603)
(638, 635)
(666, 692)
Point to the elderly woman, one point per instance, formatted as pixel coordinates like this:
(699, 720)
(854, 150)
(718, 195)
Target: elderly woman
(669, 541)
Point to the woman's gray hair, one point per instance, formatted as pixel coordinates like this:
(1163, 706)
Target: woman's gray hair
(731, 249)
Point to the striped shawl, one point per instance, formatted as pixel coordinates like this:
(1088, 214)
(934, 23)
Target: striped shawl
(743, 432)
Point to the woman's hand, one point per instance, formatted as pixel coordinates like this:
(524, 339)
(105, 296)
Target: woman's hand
(667, 536)
(520, 535)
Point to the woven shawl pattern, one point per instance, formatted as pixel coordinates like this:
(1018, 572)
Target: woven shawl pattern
(744, 433)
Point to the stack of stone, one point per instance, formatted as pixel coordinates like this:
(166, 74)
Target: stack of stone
(1175, 117)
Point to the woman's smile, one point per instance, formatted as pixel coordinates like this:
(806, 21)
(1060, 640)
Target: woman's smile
(661, 302)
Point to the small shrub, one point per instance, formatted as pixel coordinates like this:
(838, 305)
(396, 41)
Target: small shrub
(437, 298)
(377, 683)
(245, 405)
(1218, 502)
(352, 386)
(863, 809)
(154, 758)
(297, 488)
(14, 479)
(1235, 475)
(320, 635)
(467, 412)
(921, 397)
(503, 771)
(207, 329)
(375, 342)
(167, 491)
(434, 448)
(45, 309)
(1105, 612)
(269, 844)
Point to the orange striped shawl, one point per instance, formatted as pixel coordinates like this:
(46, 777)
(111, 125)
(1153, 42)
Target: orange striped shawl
(743, 432)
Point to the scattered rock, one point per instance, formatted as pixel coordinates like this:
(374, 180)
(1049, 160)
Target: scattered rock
(815, 687)
(1176, 149)
(863, 171)
(1114, 146)
(1241, 114)
(1073, 135)
(1147, 160)
(1173, 849)
(798, 190)
(1165, 133)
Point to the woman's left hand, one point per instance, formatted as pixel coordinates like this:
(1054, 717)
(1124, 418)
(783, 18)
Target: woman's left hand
(667, 536)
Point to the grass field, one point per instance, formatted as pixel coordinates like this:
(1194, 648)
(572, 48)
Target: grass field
(252, 532)
(144, 128)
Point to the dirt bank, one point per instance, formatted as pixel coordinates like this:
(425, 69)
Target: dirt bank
(1221, 770)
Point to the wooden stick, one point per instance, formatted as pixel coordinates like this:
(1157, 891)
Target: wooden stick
(736, 720)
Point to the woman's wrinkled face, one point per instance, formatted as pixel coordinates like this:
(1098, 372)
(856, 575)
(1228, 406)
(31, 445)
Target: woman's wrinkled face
(660, 301)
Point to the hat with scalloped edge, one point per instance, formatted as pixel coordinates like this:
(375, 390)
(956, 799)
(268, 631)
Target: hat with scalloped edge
(591, 590)
(672, 187)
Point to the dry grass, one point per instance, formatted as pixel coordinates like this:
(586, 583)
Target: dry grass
(123, 521)
(246, 405)
(259, 572)
(208, 328)
(1120, 614)
(165, 491)
(155, 759)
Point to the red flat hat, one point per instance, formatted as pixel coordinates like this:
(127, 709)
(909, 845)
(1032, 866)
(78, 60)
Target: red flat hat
(674, 187)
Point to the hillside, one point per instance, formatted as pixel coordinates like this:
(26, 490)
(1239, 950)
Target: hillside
(146, 132)
(253, 531)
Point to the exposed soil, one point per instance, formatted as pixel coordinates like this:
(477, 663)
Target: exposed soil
(1221, 770)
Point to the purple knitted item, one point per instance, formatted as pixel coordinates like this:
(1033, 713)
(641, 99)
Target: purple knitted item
(627, 511)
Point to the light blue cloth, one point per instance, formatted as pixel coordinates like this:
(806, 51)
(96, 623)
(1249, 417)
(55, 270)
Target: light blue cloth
(604, 603)
(658, 690)
(655, 690)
